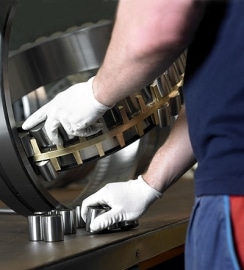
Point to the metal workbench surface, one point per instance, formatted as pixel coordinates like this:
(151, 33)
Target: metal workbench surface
(161, 229)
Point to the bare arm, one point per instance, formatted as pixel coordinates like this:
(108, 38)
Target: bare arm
(173, 159)
(147, 37)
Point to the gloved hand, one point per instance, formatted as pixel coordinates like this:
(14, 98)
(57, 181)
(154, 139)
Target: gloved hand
(128, 201)
(76, 109)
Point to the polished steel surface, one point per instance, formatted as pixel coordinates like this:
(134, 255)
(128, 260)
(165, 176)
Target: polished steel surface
(47, 170)
(39, 63)
(35, 228)
(79, 220)
(39, 133)
(53, 228)
(69, 220)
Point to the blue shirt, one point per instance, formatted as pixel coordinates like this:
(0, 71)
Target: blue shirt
(214, 99)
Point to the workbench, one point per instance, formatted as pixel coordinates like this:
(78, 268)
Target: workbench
(160, 235)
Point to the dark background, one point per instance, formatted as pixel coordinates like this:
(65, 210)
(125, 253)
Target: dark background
(41, 18)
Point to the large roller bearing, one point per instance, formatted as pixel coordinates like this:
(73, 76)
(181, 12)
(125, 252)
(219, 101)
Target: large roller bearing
(28, 160)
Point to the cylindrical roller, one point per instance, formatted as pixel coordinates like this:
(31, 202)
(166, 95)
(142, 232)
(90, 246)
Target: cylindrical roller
(164, 116)
(53, 229)
(95, 211)
(79, 221)
(130, 106)
(175, 102)
(39, 133)
(66, 139)
(127, 225)
(47, 170)
(69, 220)
(67, 161)
(53, 212)
(177, 72)
(162, 87)
(147, 95)
(25, 139)
(173, 75)
(181, 62)
(92, 213)
(35, 227)
(112, 118)
(166, 81)
(113, 227)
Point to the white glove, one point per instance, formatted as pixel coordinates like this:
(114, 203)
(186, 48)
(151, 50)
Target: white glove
(76, 109)
(128, 201)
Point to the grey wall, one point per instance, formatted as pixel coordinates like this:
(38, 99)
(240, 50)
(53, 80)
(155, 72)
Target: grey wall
(36, 18)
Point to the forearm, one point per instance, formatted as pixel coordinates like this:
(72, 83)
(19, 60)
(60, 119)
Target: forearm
(173, 159)
(147, 37)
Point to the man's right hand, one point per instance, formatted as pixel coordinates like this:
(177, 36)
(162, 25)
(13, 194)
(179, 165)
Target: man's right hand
(76, 109)
(127, 200)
